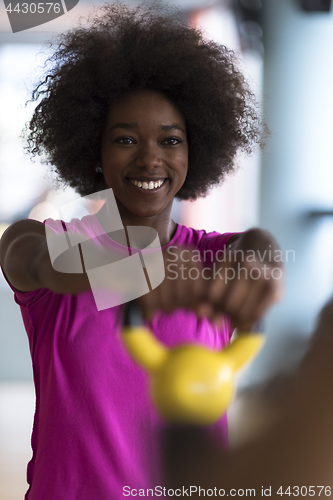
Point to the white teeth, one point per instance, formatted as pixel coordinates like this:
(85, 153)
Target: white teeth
(145, 185)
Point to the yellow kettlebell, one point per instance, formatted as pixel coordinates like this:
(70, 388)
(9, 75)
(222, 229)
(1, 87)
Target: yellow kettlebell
(189, 384)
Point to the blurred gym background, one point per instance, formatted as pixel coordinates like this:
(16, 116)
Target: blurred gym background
(286, 52)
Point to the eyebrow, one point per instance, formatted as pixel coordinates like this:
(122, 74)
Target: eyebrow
(135, 125)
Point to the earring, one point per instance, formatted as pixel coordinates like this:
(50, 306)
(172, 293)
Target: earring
(98, 169)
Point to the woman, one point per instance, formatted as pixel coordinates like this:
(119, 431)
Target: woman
(140, 103)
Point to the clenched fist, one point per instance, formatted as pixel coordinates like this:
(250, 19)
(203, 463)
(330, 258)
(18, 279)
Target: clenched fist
(242, 284)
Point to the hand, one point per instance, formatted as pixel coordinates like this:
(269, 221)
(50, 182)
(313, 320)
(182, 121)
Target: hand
(242, 287)
(184, 285)
(248, 281)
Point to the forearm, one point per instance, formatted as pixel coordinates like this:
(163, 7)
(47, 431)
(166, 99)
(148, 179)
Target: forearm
(28, 266)
(48, 277)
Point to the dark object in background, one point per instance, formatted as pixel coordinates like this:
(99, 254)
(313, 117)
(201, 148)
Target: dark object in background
(186, 449)
(297, 449)
(248, 15)
(316, 5)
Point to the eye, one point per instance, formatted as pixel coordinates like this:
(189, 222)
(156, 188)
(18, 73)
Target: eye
(173, 141)
(125, 140)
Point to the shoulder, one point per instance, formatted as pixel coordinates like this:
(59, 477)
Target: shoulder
(201, 239)
(62, 234)
(88, 223)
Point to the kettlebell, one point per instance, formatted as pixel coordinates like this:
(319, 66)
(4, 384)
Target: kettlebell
(189, 384)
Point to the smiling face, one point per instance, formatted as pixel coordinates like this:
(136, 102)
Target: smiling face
(144, 145)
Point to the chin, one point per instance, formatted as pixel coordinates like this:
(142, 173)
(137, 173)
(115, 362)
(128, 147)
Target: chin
(146, 213)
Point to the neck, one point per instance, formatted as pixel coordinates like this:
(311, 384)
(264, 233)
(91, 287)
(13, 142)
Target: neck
(161, 222)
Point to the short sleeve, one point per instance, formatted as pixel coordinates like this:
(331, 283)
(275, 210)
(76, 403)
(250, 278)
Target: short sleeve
(213, 244)
(25, 299)
(223, 239)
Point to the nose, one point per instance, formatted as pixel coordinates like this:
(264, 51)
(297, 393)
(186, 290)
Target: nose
(148, 156)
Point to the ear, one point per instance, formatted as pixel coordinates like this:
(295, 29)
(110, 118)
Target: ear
(244, 348)
(97, 167)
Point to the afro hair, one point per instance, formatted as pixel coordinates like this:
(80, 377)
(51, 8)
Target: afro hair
(120, 49)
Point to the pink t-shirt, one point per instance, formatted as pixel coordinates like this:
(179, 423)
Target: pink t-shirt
(95, 434)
